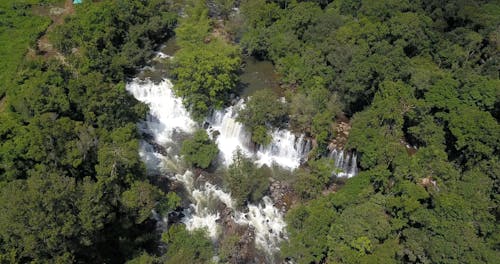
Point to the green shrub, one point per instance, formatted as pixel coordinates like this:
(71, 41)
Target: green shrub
(200, 150)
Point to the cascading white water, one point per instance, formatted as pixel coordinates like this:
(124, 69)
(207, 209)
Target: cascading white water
(231, 134)
(168, 116)
(268, 223)
(152, 159)
(162, 55)
(266, 220)
(202, 213)
(345, 162)
(286, 149)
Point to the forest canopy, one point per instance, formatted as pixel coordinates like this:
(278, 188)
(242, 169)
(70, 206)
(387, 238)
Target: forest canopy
(72, 185)
(416, 82)
(406, 72)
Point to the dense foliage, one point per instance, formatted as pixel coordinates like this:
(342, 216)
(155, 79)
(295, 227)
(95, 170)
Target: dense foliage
(246, 183)
(262, 112)
(19, 29)
(418, 81)
(183, 247)
(423, 73)
(206, 67)
(72, 186)
(115, 36)
(186, 247)
(199, 151)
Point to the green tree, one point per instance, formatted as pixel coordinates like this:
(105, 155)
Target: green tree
(200, 151)
(263, 111)
(416, 79)
(39, 219)
(195, 26)
(476, 132)
(313, 180)
(244, 180)
(308, 226)
(314, 109)
(140, 200)
(69, 137)
(206, 67)
(206, 76)
(187, 247)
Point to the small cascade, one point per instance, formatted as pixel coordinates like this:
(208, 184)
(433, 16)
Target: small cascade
(150, 157)
(268, 223)
(286, 149)
(167, 113)
(162, 55)
(231, 134)
(265, 219)
(345, 162)
(202, 213)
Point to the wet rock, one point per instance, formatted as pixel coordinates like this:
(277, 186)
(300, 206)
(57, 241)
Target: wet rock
(282, 195)
(175, 216)
(235, 101)
(245, 251)
(206, 125)
(156, 147)
(215, 134)
(342, 130)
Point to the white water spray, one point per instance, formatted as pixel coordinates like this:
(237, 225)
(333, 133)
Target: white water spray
(265, 219)
(231, 134)
(202, 213)
(168, 116)
(286, 149)
(345, 162)
(268, 223)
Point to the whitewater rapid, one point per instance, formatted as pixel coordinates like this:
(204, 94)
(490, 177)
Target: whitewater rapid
(168, 117)
(286, 149)
(167, 114)
(168, 120)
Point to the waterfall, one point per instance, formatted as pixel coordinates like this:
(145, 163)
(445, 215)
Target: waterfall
(265, 219)
(202, 213)
(167, 113)
(345, 163)
(153, 160)
(168, 118)
(286, 149)
(231, 134)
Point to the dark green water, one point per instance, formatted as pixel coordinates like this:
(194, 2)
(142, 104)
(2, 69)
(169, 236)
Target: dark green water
(258, 75)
